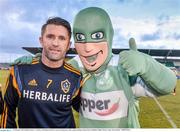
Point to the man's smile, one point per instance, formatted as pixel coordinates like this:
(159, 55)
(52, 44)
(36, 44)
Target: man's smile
(54, 50)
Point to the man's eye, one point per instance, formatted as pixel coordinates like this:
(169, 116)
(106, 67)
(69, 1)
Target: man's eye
(80, 37)
(62, 38)
(97, 35)
(50, 36)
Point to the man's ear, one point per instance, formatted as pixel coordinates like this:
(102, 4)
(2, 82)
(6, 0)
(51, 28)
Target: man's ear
(41, 40)
(69, 45)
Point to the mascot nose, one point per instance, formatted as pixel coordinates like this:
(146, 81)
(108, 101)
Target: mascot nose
(88, 47)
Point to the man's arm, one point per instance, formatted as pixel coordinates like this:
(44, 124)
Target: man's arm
(76, 99)
(1, 100)
(10, 101)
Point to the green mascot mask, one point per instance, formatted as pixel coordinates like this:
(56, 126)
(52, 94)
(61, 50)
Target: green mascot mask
(93, 27)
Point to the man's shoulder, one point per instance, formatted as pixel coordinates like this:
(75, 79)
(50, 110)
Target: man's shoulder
(24, 67)
(71, 69)
(76, 62)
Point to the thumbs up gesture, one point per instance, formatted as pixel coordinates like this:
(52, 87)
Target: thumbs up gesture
(158, 76)
(133, 61)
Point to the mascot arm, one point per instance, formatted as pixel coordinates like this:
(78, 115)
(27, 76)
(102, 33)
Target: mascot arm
(26, 59)
(75, 62)
(155, 75)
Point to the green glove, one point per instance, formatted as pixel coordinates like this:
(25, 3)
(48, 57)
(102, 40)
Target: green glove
(25, 59)
(132, 61)
(155, 75)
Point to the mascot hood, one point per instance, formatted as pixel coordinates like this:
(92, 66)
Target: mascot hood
(90, 20)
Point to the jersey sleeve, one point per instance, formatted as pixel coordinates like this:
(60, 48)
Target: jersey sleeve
(1, 103)
(10, 102)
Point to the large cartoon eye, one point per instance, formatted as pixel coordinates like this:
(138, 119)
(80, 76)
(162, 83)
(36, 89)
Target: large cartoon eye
(97, 35)
(80, 37)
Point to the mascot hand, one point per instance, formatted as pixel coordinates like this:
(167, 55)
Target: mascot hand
(38, 56)
(156, 75)
(26, 59)
(133, 61)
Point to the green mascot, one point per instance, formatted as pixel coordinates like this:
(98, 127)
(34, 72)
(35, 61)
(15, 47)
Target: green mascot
(113, 83)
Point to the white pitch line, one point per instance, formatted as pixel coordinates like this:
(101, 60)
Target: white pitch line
(165, 113)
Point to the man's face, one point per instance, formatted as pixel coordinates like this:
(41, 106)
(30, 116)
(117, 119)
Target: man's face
(55, 42)
(92, 55)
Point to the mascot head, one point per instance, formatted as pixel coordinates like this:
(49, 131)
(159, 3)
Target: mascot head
(93, 35)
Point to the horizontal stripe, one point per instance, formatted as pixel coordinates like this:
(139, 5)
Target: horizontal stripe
(72, 70)
(71, 67)
(35, 59)
(36, 62)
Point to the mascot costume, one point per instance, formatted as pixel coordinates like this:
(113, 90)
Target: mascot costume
(112, 83)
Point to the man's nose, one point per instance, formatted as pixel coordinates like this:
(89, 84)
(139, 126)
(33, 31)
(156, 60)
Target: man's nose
(55, 42)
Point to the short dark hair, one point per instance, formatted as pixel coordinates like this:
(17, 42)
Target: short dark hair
(57, 21)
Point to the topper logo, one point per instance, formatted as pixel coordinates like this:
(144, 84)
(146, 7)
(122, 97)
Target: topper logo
(111, 110)
(91, 104)
(101, 105)
(104, 106)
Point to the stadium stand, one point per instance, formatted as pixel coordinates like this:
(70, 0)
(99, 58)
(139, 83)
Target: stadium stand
(168, 57)
(4, 66)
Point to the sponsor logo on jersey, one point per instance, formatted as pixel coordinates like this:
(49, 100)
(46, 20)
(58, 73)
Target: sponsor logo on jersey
(43, 96)
(65, 85)
(104, 106)
(32, 83)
